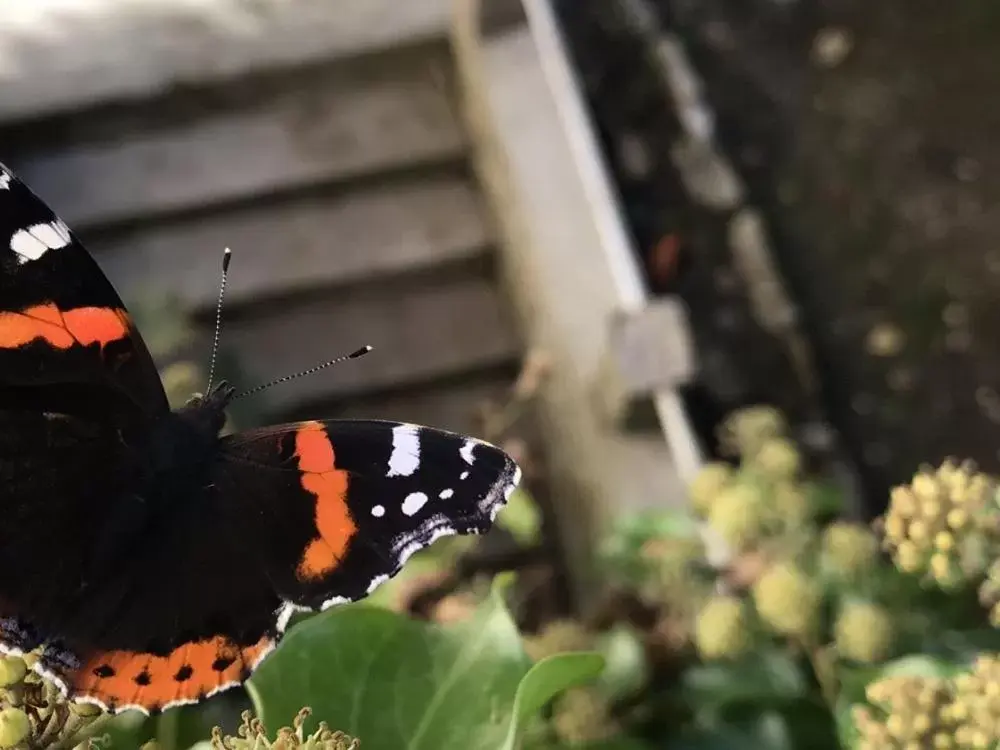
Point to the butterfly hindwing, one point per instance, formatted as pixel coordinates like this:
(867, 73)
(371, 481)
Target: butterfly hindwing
(122, 577)
(357, 498)
(61, 321)
(294, 517)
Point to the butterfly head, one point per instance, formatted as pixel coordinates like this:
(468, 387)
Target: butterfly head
(208, 410)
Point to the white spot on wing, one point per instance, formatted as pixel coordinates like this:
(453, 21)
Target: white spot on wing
(333, 601)
(32, 243)
(466, 450)
(445, 494)
(285, 613)
(411, 546)
(405, 457)
(464, 475)
(5, 178)
(378, 511)
(515, 480)
(414, 502)
(219, 689)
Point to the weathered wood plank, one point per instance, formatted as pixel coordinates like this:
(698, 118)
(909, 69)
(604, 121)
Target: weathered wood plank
(61, 54)
(451, 404)
(420, 332)
(563, 279)
(380, 117)
(403, 227)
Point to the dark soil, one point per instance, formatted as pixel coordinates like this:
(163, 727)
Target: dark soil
(878, 170)
(682, 244)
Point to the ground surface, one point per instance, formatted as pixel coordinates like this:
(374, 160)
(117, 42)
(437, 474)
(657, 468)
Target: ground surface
(868, 134)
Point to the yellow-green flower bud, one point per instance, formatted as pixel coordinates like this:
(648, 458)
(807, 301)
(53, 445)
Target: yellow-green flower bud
(739, 516)
(778, 458)
(849, 549)
(745, 430)
(944, 542)
(790, 506)
(944, 570)
(12, 670)
(864, 632)
(903, 502)
(925, 487)
(787, 600)
(950, 517)
(85, 709)
(556, 637)
(912, 712)
(919, 531)
(706, 486)
(721, 629)
(958, 519)
(581, 716)
(15, 727)
(895, 530)
(909, 558)
(976, 706)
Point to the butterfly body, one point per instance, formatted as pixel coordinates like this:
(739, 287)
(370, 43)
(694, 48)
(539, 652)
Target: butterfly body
(154, 559)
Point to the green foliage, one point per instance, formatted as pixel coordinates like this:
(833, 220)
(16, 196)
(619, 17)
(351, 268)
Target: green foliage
(626, 669)
(810, 635)
(401, 684)
(814, 632)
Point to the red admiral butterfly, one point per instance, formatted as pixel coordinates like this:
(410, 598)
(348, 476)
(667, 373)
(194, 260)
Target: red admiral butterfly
(178, 554)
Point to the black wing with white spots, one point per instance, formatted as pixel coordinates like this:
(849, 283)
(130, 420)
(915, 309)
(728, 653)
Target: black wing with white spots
(367, 494)
(61, 321)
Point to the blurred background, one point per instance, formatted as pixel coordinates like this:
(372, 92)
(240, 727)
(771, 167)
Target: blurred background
(590, 230)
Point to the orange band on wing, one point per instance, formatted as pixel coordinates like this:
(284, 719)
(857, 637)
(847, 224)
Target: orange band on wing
(81, 326)
(328, 484)
(189, 672)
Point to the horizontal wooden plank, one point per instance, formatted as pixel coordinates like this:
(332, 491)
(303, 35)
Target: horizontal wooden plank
(406, 226)
(420, 332)
(61, 54)
(452, 404)
(379, 117)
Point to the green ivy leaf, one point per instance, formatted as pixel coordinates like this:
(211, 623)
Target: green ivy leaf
(714, 738)
(795, 723)
(176, 729)
(919, 665)
(847, 732)
(626, 670)
(614, 743)
(621, 550)
(658, 524)
(827, 500)
(852, 680)
(437, 560)
(962, 646)
(762, 678)
(544, 681)
(399, 684)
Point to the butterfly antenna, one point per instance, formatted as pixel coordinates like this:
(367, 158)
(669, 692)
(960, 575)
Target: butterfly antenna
(227, 256)
(353, 355)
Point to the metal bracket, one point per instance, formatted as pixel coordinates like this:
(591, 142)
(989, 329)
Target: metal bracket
(648, 350)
